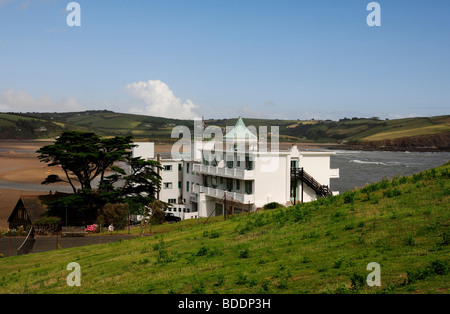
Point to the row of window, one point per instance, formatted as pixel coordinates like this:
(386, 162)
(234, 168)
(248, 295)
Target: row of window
(231, 163)
(169, 185)
(231, 184)
(180, 210)
(169, 167)
(180, 167)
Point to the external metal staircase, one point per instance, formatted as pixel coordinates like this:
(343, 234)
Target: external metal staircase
(299, 174)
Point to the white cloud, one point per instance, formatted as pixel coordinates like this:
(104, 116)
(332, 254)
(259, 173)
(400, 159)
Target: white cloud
(19, 101)
(157, 99)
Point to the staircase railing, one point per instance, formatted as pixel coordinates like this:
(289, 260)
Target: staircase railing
(301, 174)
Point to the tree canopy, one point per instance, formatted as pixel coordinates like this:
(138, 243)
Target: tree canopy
(83, 157)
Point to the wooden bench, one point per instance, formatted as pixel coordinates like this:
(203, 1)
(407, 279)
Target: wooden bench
(73, 232)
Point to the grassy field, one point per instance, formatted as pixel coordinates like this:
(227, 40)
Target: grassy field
(318, 247)
(405, 128)
(108, 123)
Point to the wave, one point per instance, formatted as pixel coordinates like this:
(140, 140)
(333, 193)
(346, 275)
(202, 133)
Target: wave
(394, 163)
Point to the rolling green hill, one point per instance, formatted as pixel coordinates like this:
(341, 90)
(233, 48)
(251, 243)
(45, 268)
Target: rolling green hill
(108, 123)
(318, 247)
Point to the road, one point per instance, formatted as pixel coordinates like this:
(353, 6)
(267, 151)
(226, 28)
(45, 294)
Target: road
(44, 244)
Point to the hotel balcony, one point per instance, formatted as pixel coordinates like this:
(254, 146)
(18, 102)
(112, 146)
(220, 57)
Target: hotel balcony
(235, 173)
(217, 193)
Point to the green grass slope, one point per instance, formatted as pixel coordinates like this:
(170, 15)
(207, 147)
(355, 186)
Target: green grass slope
(318, 247)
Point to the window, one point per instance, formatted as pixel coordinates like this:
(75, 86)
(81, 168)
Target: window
(248, 187)
(187, 186)
(179, 184)
(167, 185)
(238, 185)
(248, 163)
(168, 168)
(187, 167)
(229, 184)
(172, 201)
(293, 163)
(180, 167)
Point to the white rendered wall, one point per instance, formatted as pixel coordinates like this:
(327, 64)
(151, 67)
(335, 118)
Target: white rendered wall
(171, 176)
(145, 150)
(272, 179)
(317, 165)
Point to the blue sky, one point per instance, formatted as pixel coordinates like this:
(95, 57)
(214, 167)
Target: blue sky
(224, 58)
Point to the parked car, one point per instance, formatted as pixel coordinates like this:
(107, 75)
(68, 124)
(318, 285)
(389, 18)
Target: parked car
(171, 218)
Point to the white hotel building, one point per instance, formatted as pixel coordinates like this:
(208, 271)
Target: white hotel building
(239, 174)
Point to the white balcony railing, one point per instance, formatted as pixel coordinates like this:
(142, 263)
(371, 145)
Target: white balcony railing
(217, 193)
(236, 173)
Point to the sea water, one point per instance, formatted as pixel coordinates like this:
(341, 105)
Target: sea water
(356, 168)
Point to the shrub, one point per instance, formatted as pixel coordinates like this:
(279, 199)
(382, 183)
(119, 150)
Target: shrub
(200, 289)
(272, 205)
(384, 183)
(91, 228)
(220, 280)
(403, 180)
(214, 234)
(436, 267)
(113, 214)
(338, 263)
(244, 254)
(163, 257)
(264, 287)
(158, 216)
(391, 193)
(242, 279)
(310, 235)
(439, 267)
(349, 197)
(350, 226)
(283, 284)
(301, 214)
(446, 238)
(47, 224)
(357, 281)
(203, 251)
(160, 245)
(409, 240)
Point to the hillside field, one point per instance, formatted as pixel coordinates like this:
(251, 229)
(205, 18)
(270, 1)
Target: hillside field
(107, 123)
(318, 247)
